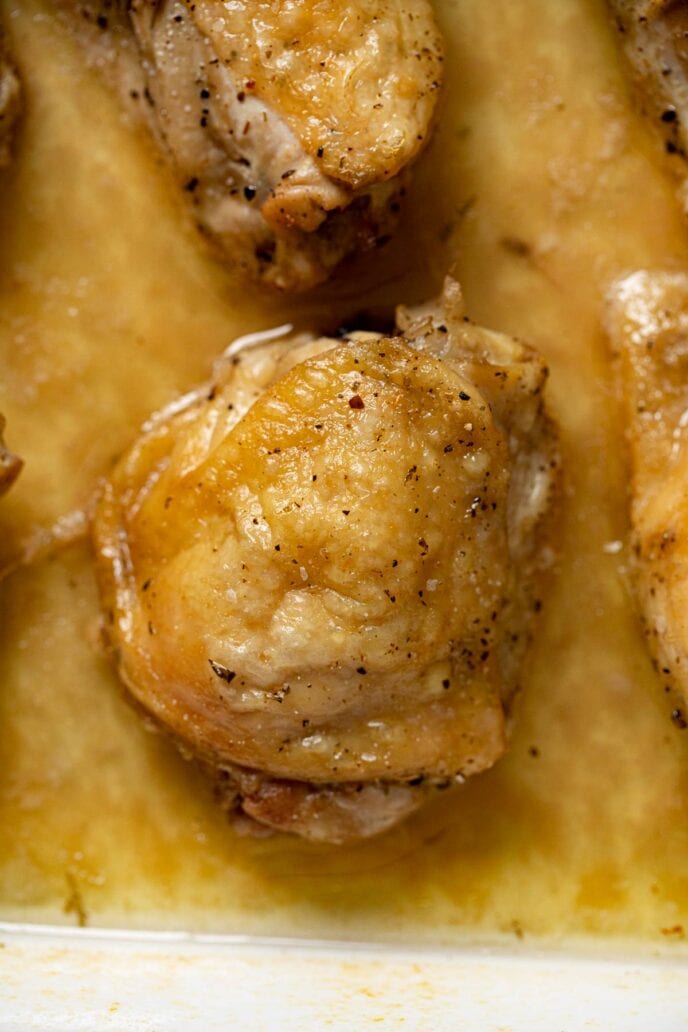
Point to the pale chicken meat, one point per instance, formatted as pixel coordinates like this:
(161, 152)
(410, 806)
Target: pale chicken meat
(10, 104)
(319, 574)
(647, 323)
(291, 124)
(654, 37)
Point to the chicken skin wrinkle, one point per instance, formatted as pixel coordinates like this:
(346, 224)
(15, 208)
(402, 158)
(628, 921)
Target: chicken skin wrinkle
(654, 36)
(291, 124)
(320, 573)
(10, 464)
(10, 104)
(648, 327)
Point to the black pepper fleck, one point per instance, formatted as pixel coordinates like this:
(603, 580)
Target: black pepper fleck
(679, 719)
(222, 671)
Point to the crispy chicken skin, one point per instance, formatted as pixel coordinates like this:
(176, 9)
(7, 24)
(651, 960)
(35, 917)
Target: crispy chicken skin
(291, 123)
(10, 464)
(648, 327)
(319, 574)
(654, 36)
(10, 103)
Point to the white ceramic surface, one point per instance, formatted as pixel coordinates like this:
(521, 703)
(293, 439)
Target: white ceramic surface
(61, 979)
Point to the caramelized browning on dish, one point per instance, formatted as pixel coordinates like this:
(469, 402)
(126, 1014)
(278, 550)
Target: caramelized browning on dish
(321, 570)
(290, 124)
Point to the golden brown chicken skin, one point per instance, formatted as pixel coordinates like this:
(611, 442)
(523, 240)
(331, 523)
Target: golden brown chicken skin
(648, 328)
(319, 575)
(291, 124)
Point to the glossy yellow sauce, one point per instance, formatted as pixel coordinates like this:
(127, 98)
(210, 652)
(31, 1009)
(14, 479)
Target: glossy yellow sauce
(541, 185)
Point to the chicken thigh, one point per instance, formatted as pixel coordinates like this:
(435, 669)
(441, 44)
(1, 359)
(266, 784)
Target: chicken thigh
(654, 35)
(291, 124)
(319, 574)
(648, 328)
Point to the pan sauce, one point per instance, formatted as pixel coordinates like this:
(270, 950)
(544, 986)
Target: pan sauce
(542, 185)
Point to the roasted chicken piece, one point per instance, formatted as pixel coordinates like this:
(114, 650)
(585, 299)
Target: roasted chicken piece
(10, 103)
(319, 573)
(648, 328)
(654, 36)
(291, 123)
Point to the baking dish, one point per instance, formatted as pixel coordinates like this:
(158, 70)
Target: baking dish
(57, 979)
(581, 831)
